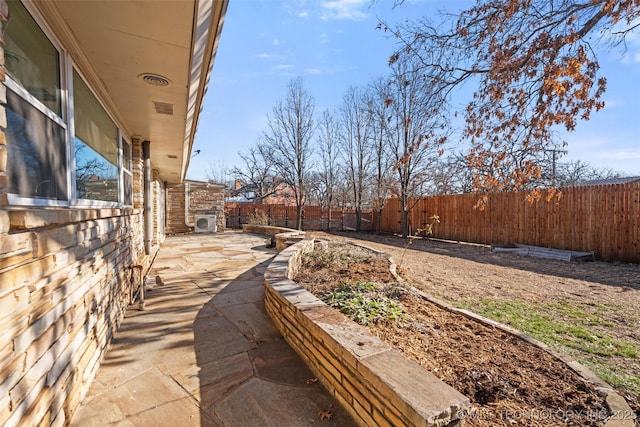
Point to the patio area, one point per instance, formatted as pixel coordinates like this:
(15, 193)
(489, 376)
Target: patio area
(204, 352)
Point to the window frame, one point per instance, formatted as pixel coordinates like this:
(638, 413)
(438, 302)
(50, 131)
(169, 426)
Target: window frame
(62, 120)
(66, 121)
(72, 144)
(123, 169)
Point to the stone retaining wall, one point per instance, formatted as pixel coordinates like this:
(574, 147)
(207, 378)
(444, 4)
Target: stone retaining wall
(377, 384)
(283, 236)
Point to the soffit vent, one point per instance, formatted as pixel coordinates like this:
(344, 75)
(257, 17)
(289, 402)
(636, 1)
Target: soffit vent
(155, 79)
(163, 108)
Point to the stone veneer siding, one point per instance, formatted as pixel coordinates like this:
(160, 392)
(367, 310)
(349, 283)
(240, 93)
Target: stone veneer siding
(375, 383)
(64, 288)
(63, 291)
(204, 198)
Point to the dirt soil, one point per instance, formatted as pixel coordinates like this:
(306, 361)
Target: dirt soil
(509, 381)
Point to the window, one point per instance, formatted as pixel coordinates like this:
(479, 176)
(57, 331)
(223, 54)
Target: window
(36, 141)
(34, 169)
(50, 160)
(31, 59)
(96, 147)
(127, 178)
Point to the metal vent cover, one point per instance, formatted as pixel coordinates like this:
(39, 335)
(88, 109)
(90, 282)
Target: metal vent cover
(163, 108)
(154, 79)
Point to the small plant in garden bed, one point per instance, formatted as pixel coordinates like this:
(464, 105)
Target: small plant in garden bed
(366, 302)
(338, 256)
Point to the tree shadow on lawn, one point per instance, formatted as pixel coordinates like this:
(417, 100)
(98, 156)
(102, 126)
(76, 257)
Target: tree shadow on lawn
(601, 272)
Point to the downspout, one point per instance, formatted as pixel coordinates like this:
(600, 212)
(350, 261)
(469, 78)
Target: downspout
(166, 206)
(187, 200)
(148, 202)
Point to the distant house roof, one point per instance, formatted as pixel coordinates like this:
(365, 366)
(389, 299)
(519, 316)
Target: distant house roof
(244, 190)
(610, 181)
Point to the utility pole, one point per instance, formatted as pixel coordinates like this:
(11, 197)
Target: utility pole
(554, 154)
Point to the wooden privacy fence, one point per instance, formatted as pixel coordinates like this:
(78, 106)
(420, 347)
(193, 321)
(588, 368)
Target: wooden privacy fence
(604, 219)
(313, 217)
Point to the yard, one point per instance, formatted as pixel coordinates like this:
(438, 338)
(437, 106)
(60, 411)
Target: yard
(586, 310)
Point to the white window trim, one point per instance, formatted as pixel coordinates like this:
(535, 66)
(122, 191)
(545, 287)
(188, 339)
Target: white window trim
(91, 202)
(35, 102)
(123, 170)
(66, 121)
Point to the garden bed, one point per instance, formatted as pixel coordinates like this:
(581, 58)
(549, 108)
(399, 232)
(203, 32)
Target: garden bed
(507, 379)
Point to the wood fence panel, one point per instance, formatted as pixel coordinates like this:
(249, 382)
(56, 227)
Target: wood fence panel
(635, 226)
(312, 218)
(604, 219)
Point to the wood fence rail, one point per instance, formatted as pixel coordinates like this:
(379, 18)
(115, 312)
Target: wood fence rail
(604, 219)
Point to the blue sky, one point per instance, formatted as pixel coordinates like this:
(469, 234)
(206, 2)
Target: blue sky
(333, 44)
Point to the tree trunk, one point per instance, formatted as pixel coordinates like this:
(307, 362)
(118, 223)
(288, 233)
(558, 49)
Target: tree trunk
(405, 223)
(299, 217)
(358, 219)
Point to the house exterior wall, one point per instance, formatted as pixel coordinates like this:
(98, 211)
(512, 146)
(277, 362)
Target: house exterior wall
(64, 288)
(204, 198)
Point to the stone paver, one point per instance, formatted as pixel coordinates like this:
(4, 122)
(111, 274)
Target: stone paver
(204, 352)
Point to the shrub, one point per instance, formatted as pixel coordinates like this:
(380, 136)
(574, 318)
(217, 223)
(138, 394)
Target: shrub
(258, 218)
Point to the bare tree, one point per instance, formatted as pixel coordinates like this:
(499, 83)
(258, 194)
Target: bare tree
(356, 120)
(452, 175)
(288, 140)
(258, 173)
(416, 131)
(382, 176)
(535, 69)
(316, 190)
(328, 142)
(577, 172)
(218, 172)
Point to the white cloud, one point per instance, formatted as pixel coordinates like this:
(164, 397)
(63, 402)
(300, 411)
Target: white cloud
(275, 42)
(630, 57)
(324, 38)
(303, 14)
(312, 71)
(344, 9)
(631, 44)
(621, 154)
(283, 67)
(265, 56)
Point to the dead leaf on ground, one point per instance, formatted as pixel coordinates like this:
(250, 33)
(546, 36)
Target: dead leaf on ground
(325, 415)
